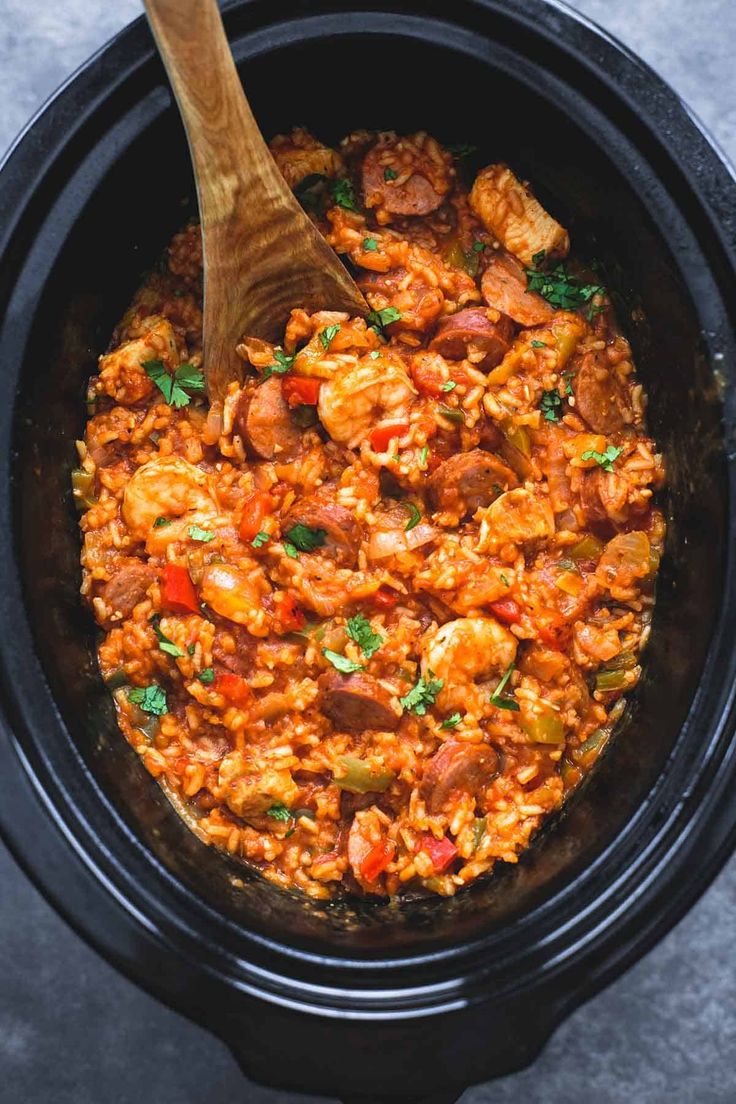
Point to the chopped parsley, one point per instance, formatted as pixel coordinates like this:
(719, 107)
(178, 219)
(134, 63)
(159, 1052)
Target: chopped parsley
(174, 385)
(559, 288)
(567, 377)
(207, 676)
(422, 695)
(290, 550)
(452, 720)
(309, 191)
(374, 354)
(343, 195)
(341, 662)
(551, 405)
(539, 345)
(305, 538)
(415, 516)
(359, 629)
(191, 649)
(381, 318)
(390, 174)
(450, 385)
(370, 245)
(281, 366)
(605, 459)
(160, 522)
(151, 699)
(164, 643)
(478, 246)
(260, 539)
(198, 534)
(424, 455)
(496, 697)
(452, 413)
(327, 335)
(279, 811)
(504, 580)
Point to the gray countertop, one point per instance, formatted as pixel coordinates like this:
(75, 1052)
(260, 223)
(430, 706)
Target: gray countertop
(72, 1031)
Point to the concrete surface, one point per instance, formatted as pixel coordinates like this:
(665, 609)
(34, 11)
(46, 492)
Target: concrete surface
(73, 1032)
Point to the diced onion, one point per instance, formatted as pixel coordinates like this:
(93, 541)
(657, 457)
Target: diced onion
(392, 542)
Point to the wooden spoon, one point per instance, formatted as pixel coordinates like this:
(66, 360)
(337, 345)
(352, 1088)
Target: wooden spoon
(262, 254)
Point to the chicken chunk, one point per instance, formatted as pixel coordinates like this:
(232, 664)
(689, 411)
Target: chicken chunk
(509, 211)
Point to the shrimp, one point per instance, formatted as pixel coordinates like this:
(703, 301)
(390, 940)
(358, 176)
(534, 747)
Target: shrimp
(122, 375)
(237, 595)
(463, 652)
(250, 790)
(515, 517)
(170, 488)
(361, 395)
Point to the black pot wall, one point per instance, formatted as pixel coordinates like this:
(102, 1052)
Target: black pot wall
(91, 196)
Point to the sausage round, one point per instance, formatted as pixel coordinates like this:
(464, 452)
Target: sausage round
(357, 702)
(418, 195)
(127, 588)
(343, 532)
(503, 285)
(468, 480)
(472, 326)
(456, 766)
(263, 421)
(599, 397)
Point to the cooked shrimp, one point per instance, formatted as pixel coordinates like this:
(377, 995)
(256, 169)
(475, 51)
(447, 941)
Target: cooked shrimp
(170, 488)
(250, 789)
(514, 518)
(237, 595)
(122, 375)
(464, 652)
(359, 396)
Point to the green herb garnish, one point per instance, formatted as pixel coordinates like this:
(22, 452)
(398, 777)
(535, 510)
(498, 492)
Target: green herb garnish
(341, 662)
(282, 364)
(452, 414)
(370, 245)
(260, 539)
(422, 696)
(160, 522)
(374, 354)
(478, 246)
(207, 675)
(390, 174)
(551, 406)
(496, 697)
(539, 345)
(305, 538)
(306, 192)
(164, 643)
(381, 318)
(327, 335)
(605, 459)
(504, 580)
(151, 699)
(198, 534)
(424, 455)
(279, 811)
(450, 385)
(452, 720)
(174, 385)
(359, 629)
(415, 516)
(559, 288)
(343, 195)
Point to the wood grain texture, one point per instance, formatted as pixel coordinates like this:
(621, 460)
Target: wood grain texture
(262, 254)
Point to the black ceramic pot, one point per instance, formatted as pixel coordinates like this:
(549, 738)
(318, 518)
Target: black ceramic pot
(381, 1001)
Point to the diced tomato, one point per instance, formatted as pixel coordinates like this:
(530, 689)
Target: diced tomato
(428, 378)
(506, 610)
(382, 436)
(377, 860)
(256, 507)
(179, 594)
(385, 598)
(290, 616)
(233, 688)
(299, 391)
(548, 636)
(441, 852)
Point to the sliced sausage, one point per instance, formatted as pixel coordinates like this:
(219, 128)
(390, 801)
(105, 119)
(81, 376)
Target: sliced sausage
(468, 768)
(126, 589)
(504, 288)
(343, 532)
(357, 702)
(471, 330)
(420, 193)
(468, 480)
(599, 397)
(263, 421)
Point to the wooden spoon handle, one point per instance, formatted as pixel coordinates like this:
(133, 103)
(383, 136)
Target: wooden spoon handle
(254, 231)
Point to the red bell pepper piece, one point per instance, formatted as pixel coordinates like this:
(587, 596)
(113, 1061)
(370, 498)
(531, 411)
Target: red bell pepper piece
(299, 391)
(233, 688)
(290, 616)
(179, 594)
(506, 610)
(428, 378)
(377, 860)
(382, 436)
(441, 852)
(256, 507)
(385, 598)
